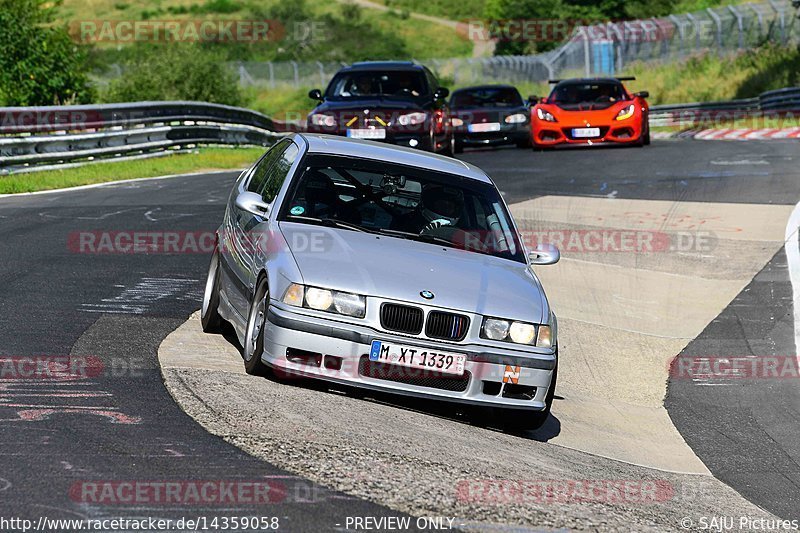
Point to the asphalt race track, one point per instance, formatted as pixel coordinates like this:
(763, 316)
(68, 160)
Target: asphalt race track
(114, 311)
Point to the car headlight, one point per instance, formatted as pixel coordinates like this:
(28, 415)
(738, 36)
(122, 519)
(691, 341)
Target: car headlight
(411, 119)
(343, 303)
(319, 299)
(349, 304)
(545, 115)
(498, 329)
(516, 118)
(626, 112)
(319, 119)
(495, 329)
(456, 122)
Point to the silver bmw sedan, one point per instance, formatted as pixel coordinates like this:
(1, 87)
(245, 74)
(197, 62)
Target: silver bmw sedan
(384, 268)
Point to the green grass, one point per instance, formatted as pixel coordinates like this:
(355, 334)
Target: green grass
(449, 9)
(476, 9)
(204, 159)
(348, 33)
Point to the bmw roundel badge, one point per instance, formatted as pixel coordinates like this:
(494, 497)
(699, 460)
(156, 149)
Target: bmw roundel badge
(428, 295)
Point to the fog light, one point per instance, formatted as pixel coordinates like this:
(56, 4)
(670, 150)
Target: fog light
(413, 143)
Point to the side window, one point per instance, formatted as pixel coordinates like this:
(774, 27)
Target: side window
(261, 172)
(278, 172)
(433, 83)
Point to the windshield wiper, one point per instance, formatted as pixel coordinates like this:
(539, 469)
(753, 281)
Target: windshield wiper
(332, 223)
(433, 239)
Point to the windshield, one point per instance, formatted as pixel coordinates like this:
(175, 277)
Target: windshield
(407, 84)
(487, 97)
(403, 202)
(588, 93)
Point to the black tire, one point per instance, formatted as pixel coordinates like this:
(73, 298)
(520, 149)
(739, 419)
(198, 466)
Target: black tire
(450, 147)
(646, 140)
(515, 420)
(458, 146)
(526, 143)
(209, 312)
(254, 338)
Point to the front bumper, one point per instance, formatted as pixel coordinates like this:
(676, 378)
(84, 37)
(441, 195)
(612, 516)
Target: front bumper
(308, 346)
(413, 137)
(494, 138)
(553, 134)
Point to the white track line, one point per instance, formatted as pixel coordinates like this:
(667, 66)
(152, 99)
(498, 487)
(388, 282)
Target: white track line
(792, 248)
(104, 184)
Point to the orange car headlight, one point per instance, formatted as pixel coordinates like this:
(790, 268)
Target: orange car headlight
(545, 115)
(626, 113)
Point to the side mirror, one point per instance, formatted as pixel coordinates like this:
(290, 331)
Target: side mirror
(315, 94)
(252, 203)
(441, 92)
(533, 100)
(544, 254)
(642, 94)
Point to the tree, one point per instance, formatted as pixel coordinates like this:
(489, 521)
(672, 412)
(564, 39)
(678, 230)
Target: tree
(39, 63)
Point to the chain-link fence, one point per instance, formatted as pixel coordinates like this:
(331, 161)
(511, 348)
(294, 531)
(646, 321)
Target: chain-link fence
(601, 49)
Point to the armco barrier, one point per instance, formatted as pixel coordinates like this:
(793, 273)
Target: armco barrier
(33, 136)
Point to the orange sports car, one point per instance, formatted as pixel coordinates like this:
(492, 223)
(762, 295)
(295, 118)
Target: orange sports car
(590, 111)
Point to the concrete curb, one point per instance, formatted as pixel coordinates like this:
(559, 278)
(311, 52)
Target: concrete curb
(730, 134)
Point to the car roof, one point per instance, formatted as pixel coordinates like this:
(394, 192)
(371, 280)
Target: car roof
(487, 86)
(336, 145)
(382, 65)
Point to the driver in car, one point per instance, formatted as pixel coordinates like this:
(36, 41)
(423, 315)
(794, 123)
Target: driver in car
(438, 206)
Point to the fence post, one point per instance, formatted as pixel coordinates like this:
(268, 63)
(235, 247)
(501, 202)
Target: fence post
(780, 12)
(675, 20)
(321, 74)
(587, 65)
(760, 17)
(739, 24)
(693, 20)
(271, 74)
(718, 24)
(245, 78)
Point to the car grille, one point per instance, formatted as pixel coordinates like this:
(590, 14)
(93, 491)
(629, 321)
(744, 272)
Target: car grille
(412, 376)
(446, 326)
(401, 318)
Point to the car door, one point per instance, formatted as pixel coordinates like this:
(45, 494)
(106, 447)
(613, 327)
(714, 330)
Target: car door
(255, 234)
(237, 259)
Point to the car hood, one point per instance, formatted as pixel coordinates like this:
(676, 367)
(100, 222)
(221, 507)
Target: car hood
(359, 105)
(400, 269)
(486, 114)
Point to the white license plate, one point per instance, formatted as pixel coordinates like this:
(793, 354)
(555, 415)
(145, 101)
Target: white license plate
(586, 132)
(367, 133)
(416, 357)
(484, 127)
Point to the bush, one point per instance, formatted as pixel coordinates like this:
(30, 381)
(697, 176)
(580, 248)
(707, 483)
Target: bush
(39, 63)
(175, 71)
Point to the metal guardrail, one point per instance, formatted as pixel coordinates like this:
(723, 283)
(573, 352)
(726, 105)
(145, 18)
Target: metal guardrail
(33, 136)
(780, 102)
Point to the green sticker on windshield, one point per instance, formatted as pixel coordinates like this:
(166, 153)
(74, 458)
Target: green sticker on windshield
(298, 210)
